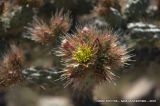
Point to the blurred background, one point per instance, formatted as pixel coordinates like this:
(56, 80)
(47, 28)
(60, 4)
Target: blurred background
(136, 21)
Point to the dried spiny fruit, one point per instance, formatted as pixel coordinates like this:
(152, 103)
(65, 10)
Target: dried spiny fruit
(60, 23)
(90, 57)
(11, 67)
(40, 32)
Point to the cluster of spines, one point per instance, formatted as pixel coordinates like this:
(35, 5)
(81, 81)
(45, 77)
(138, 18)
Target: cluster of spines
(91, 56)
(11, 67)
(45, 33)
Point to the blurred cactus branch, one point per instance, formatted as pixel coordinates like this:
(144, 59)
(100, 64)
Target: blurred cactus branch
(40, 76)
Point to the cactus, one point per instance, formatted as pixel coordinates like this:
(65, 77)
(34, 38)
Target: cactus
(45, 33)
(11, 66)
(90, 57)
(81, 55)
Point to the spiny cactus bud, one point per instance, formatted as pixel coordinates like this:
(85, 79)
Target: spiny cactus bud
(11, 67)
(90, 57)
(40, 32)
(60, 23)
(43, 33)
